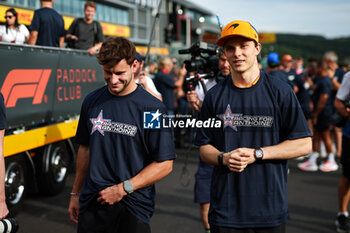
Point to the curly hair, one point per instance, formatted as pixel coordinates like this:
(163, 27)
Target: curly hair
(115, 49)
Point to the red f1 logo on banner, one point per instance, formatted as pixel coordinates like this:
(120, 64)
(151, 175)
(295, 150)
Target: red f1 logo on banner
(21, 83)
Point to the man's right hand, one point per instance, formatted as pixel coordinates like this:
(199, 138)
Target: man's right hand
(193, 100)
(238, 159)
(74, 208)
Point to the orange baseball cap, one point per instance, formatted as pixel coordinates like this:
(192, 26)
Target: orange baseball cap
(238, 28)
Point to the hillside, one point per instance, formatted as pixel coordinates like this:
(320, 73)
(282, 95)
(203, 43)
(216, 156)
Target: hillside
(309, 45)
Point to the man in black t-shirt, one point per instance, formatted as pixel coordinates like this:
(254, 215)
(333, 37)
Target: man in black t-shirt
(262, 126)
(330, 60)
(165, 82)
(47, 27)
(287, 64)
(123, 149)
(274, 71)
(85, 33)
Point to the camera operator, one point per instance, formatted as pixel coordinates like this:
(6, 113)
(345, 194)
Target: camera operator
(196, 97)
(343, 97)
(204, 172)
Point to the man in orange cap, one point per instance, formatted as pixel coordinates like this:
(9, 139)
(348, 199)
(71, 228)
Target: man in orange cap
(262, 126)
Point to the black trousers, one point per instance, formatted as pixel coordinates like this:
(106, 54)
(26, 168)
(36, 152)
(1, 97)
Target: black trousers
(107, 218)
(278, 229)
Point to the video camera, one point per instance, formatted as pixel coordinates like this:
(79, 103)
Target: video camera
(203, 66)
(339, 120)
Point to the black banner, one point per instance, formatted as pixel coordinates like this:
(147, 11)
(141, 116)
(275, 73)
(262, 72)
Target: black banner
(43, 85)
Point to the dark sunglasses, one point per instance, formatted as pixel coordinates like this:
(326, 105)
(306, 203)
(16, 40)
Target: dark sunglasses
(8, 17)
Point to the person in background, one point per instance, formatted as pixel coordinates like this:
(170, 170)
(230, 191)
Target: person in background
(305, 88)
(86, 33)
(330, 60)
(151, 70)
(343, 221)
(3, 207)
(275, 72)
(298, 65)
(287, 64)
(321, 122)
(166, 83)
(143, 79)
(12, 31)
(204, 172)
(47, 27)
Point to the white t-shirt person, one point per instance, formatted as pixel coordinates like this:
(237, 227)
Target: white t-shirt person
(17, 35)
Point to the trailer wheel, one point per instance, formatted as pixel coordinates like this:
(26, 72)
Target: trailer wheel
(15, 183)
(54, 172)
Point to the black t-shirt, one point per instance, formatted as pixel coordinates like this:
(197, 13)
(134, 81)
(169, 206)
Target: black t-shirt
(323, 86)
(165, 85)
(283, 76)
(265, 114)
(291, 74)
(88, 34)
(303, 94)
(50, 27)
(120, 147)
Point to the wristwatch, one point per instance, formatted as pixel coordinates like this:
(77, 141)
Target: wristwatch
(258, 154)
(128, 187)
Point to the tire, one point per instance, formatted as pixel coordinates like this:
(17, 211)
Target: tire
(54, 169)
(15, 183)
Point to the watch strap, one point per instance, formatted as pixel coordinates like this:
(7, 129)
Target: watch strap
(220, 159)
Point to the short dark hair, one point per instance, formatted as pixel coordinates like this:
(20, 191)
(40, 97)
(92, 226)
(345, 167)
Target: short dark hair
(115, 49)
(90, 4)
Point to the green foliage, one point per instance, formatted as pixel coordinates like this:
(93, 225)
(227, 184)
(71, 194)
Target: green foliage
(308, 46)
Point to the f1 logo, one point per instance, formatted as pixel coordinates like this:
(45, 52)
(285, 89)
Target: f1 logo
(25, 83)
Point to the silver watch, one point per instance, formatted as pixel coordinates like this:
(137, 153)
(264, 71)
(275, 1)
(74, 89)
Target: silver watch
(258, 154)
(128, 187)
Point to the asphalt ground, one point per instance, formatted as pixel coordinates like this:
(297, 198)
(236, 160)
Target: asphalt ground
(312, 198)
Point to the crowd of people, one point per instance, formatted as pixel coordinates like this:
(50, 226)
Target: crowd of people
(315, 86)
(47, 29)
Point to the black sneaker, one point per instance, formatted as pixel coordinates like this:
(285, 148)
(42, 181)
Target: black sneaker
(342, 223)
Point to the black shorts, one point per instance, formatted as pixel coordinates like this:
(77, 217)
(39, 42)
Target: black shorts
(323, 123)
(110, 219)
(345, 157)
(278, 229)
(203, 182)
